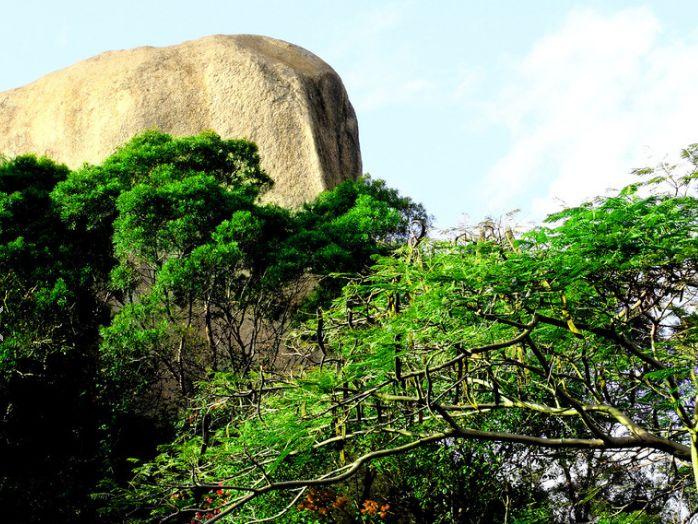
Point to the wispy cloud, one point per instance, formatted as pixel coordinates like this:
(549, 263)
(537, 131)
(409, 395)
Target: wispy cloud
(588, 102)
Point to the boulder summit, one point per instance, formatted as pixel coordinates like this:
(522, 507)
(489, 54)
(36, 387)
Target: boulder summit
(282, 97)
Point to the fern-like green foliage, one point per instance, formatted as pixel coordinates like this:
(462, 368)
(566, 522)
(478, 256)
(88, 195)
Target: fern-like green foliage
(576, 335)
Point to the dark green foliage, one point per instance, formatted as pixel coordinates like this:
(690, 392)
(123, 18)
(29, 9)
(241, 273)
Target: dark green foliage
(34, 258)
(48, 355)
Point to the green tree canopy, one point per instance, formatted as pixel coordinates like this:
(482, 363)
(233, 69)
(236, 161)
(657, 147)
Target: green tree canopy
(126, 283)
(577, 335)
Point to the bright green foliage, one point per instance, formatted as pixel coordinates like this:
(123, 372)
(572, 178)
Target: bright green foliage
(88, 197)
(203, 277)
(169, 235)
(203, 270)
(157, 287)
(576, 336)
(213, 257)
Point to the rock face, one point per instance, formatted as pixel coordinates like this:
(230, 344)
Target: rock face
(282, 97)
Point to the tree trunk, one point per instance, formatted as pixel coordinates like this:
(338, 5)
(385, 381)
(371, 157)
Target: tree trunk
(694, 455)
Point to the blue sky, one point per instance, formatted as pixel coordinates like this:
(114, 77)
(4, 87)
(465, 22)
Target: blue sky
(472, 107)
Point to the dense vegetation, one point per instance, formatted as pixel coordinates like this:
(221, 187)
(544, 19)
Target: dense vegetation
(48, 359)
(578, 337)
(125, 284)
(176, 351)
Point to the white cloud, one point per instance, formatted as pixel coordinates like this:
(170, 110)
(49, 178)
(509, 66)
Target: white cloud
(589, 102)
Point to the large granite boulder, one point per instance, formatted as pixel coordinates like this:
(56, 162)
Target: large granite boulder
(280, 96)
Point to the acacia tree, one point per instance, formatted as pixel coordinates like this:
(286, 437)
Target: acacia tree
(578, 335)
